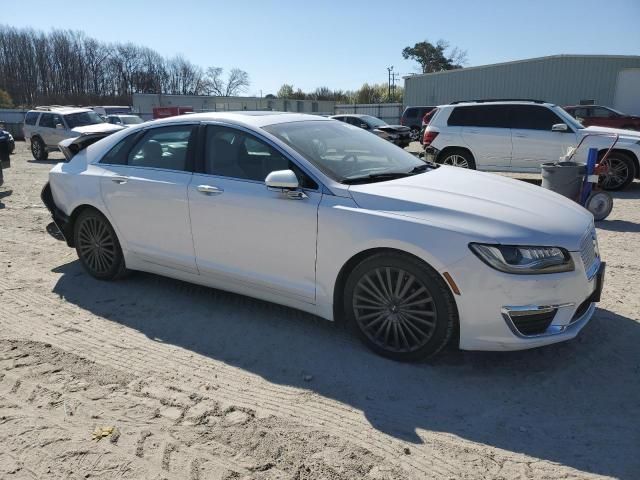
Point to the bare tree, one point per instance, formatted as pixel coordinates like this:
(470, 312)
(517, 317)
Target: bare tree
(67, 67)
(237, 82)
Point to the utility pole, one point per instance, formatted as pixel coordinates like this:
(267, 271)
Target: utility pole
(389, 70)
(394, 77)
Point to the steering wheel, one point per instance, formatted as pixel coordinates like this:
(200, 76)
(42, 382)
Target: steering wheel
(352, 156)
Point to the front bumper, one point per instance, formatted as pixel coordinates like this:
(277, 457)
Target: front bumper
(500, 311)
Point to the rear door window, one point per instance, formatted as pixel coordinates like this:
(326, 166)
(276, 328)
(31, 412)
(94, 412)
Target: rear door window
(164, 147)
(46, 120)
(533, 117)
(488, 116)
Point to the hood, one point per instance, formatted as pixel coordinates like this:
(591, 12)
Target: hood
(393, 128)
(484, 206)
(97, 128)
(631, 134)
(72, 146)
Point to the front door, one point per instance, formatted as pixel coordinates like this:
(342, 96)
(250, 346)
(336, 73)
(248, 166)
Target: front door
(144, 188)
(243, 232)
(534, 143)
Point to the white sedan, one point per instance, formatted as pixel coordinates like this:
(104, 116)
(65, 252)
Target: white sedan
(322, 216)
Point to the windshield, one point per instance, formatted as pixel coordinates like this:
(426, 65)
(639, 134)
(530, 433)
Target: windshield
(83, 118)
(567, 118)
(132, 120)
(373, 121)
(342, 151)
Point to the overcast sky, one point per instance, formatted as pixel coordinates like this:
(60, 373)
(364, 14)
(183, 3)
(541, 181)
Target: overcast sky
(342, 44)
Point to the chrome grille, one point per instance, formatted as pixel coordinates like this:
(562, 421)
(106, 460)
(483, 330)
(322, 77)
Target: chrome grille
(589, 252)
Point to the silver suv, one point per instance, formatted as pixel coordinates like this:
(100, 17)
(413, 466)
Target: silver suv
(45, 127)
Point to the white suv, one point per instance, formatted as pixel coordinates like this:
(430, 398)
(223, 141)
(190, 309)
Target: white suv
(45, 127)
(519, 136)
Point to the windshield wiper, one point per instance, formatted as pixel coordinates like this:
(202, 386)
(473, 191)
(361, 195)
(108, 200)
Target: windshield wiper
(376, 177)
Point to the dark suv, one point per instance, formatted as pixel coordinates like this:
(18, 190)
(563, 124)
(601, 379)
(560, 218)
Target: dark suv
(412, 118)
(600, 116)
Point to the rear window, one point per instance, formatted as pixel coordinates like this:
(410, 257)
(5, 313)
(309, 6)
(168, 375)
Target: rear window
(31, 117)
(491, 116)
(411, 112)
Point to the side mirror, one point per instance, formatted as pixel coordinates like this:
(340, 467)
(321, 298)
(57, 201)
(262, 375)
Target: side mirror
(560, 127)
(285, 181)
(59, 126)
(282, 180)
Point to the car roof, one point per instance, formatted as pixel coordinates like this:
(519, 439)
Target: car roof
(587, 106)
(62, 110)
(245, 117)
(357, 115)
(472, 103)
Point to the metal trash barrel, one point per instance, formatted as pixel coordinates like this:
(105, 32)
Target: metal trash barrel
(564, 178)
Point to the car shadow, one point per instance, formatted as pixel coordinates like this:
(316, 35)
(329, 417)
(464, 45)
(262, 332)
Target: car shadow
(4, 194)
(574, 403)
(618, 226)
(50, 161)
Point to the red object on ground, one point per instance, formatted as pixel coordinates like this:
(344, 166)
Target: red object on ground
(164, 112)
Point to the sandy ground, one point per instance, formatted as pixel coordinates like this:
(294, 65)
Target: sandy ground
(202, 384)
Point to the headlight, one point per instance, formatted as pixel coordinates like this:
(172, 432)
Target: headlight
(524, 260)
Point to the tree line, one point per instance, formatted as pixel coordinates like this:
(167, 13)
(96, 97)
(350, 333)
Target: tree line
(68, 67)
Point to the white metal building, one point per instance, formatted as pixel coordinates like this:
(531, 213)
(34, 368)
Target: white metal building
(612, 80)
(143, 103)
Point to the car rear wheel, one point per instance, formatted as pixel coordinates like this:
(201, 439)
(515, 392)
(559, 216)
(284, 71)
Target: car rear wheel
(98, 247)
(401, 309)
(39, 149)
(620, 171)
(458, 158)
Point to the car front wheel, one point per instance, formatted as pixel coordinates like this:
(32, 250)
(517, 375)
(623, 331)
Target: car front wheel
(401, 309)
(98, 247)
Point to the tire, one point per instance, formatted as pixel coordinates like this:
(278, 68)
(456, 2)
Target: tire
(415, 134)
(39, 149)
(97, 246)
(373, 305)
(621, 172)
(457, 157)
(599, 204)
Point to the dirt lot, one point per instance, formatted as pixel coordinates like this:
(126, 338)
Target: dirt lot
(202, 384)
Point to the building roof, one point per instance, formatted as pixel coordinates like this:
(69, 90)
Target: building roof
(525, 60)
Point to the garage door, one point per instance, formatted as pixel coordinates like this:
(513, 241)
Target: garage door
(627, 97)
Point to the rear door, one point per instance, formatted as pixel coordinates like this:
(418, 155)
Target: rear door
(533, 141)
(47, 129)
(144, 188)
(485, 130)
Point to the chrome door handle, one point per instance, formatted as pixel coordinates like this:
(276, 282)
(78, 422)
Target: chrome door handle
(119, 179)
(209, 190)
(296, 195)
